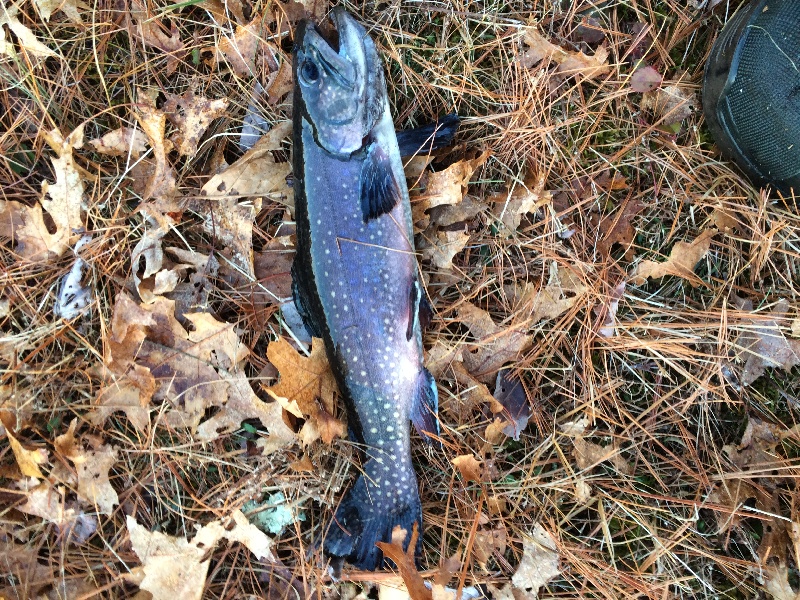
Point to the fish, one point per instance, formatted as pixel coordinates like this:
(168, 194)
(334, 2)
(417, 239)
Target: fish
(355, 275)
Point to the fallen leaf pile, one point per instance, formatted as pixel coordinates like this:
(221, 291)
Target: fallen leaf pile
(444, 231)
(67, 485)
(755, 455)
(153, 359)
(173, 567)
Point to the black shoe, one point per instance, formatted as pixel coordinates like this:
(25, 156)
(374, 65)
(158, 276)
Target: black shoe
(751, 92)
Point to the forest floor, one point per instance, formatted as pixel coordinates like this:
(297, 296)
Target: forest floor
(164, 432)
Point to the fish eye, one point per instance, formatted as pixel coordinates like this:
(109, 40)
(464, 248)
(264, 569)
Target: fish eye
(309, 72)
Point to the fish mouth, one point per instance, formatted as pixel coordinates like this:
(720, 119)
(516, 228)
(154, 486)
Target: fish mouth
(340, 50)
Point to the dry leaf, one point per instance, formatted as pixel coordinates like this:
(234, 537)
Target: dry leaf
(309, 382)
(240, 51)
(618, 229)
(216, 342)
(670, 104)
(448, 215)
(176, 568)
(569, 63)
(444, 247)
(475, 395)
(28, 460)
(125, 141)
(757, 448)
(763, 346)
(724, 220)
(468, 466)
(404, 561)
(681, 262)
(148, 249)
(92, 467)
(564, 289)
(489, 543)
(160, 183)
(776, 582)
(94, 486)
(254, 174)
(124, 396)
(22, 570)
(62, 200)
(152, 32)
(448, 186)
(512, 403)
(281, 82)
(524, 199)
(609, 310)
(191, 115)
(26, 39)
(732, 495)
(539, 562)
(273, 270)
(645, 79)
(588, 455)
(494, 345)
(68, 7)
(150, 351)
(47, 502)
(243, 404)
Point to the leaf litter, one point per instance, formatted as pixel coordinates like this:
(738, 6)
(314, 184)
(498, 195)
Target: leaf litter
(659, 408)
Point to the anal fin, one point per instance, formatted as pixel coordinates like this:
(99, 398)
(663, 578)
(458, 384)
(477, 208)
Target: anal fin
(425, 408)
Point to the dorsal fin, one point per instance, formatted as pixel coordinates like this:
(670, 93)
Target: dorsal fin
(380, 190)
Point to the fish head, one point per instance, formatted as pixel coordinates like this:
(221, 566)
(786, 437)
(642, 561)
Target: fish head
(339, 85)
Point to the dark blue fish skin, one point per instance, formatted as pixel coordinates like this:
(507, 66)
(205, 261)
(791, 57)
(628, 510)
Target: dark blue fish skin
(356, 286)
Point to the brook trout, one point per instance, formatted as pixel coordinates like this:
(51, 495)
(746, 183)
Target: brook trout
(355, 275)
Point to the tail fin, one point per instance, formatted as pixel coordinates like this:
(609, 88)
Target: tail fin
(369, 512)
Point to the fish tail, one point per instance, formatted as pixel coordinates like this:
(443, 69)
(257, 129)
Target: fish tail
(368, 514)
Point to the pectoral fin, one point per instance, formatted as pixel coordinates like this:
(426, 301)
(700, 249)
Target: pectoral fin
(427, 138)
(380, 190)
